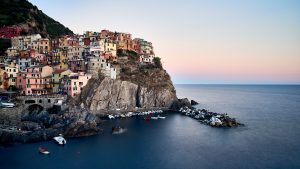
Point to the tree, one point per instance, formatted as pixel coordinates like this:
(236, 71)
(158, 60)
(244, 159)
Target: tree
(157, 62)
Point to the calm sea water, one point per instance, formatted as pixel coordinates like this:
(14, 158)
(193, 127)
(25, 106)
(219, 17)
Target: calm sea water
(270, 139)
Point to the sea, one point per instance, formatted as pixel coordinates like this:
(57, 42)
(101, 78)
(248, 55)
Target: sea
(270, 138)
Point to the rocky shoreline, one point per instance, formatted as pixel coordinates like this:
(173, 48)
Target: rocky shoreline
(41, 126)
(78, 122)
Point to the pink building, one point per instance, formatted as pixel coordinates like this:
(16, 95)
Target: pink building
(41, 58)
(35, 80)
(74, 84)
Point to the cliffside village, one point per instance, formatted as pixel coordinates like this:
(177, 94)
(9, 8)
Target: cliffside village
(40, 66)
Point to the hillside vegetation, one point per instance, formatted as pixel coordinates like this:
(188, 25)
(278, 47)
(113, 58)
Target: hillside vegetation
(33, 20)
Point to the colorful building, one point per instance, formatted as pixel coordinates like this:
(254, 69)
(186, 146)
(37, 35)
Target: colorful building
(77, 65)
(110, 47)
(74, 84)
(35, 80)
(57, 75)
(44, 45)
(12, 69)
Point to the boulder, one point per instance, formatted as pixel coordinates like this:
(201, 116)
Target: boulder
(193, 102)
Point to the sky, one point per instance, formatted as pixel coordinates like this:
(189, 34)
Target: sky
(200, 41)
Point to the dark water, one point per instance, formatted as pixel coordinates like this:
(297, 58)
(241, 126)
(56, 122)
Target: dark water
(271, 138)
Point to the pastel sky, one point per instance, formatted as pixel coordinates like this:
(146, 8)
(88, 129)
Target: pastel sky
(201, 41)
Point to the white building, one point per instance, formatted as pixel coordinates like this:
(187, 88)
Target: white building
(12, 52)
(98, 63)
(146, 58)
(24, 42)
(75, 51)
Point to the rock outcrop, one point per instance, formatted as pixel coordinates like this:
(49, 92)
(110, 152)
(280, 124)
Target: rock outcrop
(38, 126)
(102, 95)
(193, 102)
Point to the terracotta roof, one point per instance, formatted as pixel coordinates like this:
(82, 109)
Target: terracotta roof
(58, 71)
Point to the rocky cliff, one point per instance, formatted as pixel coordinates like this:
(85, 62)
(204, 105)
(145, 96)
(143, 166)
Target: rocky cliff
(143, 88)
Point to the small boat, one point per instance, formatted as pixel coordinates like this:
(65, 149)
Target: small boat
(161, 117)
(43, 150)
(123, 116)
(154, 118)
(117, 130)
(6, 104)
(111, 117)
(60, 140)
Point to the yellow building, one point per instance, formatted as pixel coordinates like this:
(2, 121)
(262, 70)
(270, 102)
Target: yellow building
(58, 59)
(12, 70)
(44, 45)
(110, 47)
(57, 76)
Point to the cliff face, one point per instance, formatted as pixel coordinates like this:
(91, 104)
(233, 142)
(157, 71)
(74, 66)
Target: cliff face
(107, 94)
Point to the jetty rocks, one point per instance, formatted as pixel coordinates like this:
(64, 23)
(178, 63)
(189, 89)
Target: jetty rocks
(210, 118)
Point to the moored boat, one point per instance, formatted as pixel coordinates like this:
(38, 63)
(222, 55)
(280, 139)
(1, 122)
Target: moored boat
(111, 116)
(60, 140)
(117, 130)
(44, 150)
(161, 117)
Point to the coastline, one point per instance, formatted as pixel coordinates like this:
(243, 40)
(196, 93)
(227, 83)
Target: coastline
(77, 122)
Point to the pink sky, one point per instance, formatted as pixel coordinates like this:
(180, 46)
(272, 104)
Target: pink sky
(201, 41)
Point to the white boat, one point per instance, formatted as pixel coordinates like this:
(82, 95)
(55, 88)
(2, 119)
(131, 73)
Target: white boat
(60, 140)
(111, 117)
(122, 115)
(6, 104)
(161, 117)
(154, 118)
